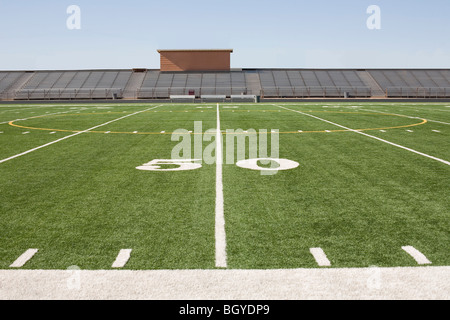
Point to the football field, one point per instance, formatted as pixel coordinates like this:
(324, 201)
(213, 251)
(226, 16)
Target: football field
(337, 185)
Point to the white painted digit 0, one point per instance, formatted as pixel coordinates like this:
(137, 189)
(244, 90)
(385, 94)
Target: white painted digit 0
(183, 165)
(252, 164)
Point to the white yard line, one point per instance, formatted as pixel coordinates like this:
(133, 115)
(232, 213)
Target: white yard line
(41, 116)
(418, 107)
(320, 257)
(441, 122)
(15, 107)
(24, 258)
(72, 135)
(220, 236)
(402, 115)
(401, 283)
(122, 258)
(417, 255)
(370, 136)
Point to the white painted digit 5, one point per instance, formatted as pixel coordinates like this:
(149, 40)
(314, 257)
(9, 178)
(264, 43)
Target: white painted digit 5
(183, 164)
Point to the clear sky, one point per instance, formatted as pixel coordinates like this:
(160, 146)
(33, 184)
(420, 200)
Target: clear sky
(264, 34)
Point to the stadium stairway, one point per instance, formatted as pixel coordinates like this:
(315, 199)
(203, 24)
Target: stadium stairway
(253, 83)
(369, 81)
(134, 83)
(9, 94)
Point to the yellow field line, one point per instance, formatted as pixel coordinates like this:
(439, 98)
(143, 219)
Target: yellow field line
(11, 123)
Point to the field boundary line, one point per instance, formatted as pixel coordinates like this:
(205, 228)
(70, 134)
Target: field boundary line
(220, 235)
(72, 135)
(424, 282)
(370, 136)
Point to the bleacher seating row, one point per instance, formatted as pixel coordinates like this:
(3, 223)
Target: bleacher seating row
(69, 94)
(77, 80)
(267, 83)
(316, 92)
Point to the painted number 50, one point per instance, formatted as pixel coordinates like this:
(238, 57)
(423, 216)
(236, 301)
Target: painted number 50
(192, 164)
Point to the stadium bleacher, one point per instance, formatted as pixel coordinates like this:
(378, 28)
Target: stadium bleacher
(266, 83)
(312, 83)
(413, 83)
(161, 85)
(60, 85)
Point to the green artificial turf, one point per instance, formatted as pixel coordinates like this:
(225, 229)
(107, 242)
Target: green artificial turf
(81, 200)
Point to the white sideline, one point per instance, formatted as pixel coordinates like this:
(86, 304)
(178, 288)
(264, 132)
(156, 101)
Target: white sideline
(401, 283)
(220, 236)
(370, 136)
(72, 135)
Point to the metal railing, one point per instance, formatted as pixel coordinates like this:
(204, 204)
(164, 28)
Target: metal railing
(419, 92)
(68, 94)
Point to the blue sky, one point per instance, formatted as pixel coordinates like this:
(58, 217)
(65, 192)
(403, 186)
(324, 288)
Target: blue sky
(263, 34)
